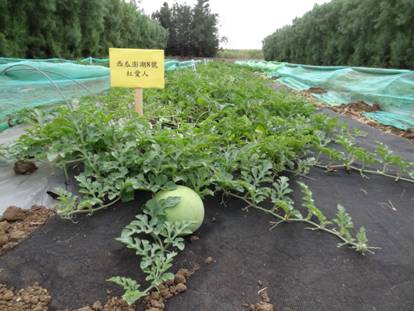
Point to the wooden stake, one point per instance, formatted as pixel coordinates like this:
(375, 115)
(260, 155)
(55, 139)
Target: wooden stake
(139, 101)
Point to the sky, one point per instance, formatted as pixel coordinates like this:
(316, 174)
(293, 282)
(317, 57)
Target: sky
(247, 23)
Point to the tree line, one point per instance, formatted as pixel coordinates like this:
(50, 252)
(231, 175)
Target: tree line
(193, 31)
(74, 28)
(377, 33)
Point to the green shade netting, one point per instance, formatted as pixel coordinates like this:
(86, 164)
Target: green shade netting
(28, 84)
(392, 89)
(90, 60)
(33, 83)
(171, 64)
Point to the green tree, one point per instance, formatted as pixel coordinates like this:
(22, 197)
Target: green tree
(204, 31)
(68, 28)
(192, 31)
(3, 26)
(41, 24)
(17, 28)
(165, 18)
(348, 32)
(111, 36)
(74, 28)
(182, 23)
(92, 25)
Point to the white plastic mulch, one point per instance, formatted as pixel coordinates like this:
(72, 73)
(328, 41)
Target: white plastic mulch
(25, 190)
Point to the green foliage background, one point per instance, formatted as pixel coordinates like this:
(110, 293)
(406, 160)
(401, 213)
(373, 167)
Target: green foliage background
(240, 54)
(74, 28)
(348, 32)
(193, 31)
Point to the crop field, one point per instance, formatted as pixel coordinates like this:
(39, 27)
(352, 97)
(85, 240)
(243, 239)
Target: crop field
(220, 130)
(146, 164)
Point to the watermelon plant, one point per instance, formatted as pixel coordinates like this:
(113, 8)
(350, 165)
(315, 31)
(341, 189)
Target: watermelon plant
(219, 130)
(158, 253)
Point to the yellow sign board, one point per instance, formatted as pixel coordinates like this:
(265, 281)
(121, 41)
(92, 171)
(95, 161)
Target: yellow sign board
(136, 68)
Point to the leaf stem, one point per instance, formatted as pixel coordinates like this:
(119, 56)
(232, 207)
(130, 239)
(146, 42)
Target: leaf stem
(93, 210)
(315, 225)
(360, 170)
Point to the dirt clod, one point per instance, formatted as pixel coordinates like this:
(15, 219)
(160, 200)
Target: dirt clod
(13, 213)
(97, 305)
(17, 235)
(187, 273)
(179, 278)
(179, 288)
(3, 238)
(209, 260)
(156, 304)
(409, 133)
(165, 293)
(194, 238)
(156, 300)
(113, 304)
(264, 302)
(316, 90)
(16, 224)
(24, 167)
(357, 108)
(32, 298)
(117, 304)
(355, 112)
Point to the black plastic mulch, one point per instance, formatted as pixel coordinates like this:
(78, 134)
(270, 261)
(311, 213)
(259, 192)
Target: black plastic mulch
(302, 270)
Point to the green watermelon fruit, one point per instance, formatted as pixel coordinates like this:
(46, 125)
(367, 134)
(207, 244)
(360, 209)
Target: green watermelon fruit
(190, 207)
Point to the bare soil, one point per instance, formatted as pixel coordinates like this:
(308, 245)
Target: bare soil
(24, 167)
(316, 90)
(156, 300)
(37, 298)
(356, 108)
(32, 298)
(353, 110)
(74, 260)
(112, 304)
(264, 302)
(17, 224)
